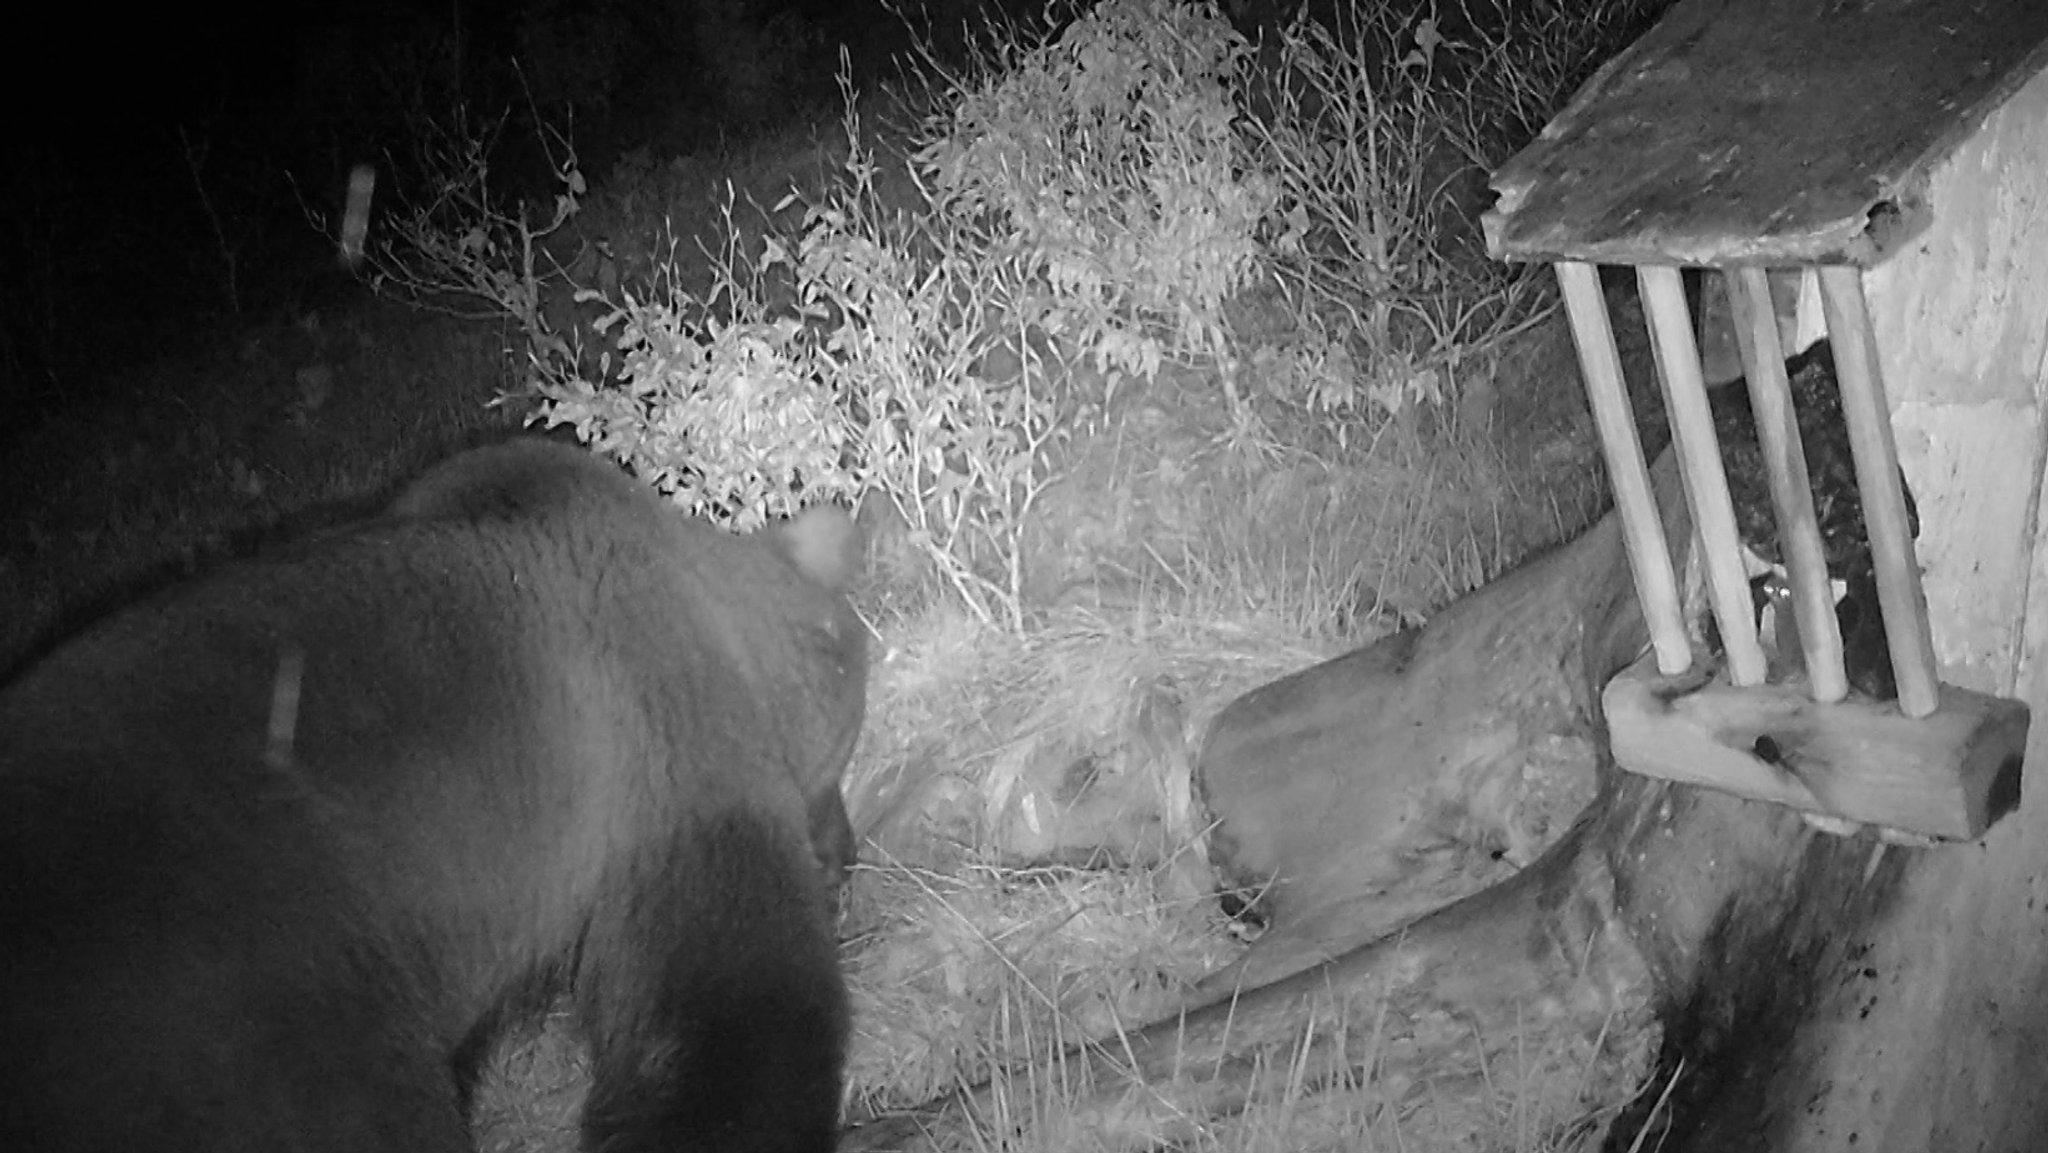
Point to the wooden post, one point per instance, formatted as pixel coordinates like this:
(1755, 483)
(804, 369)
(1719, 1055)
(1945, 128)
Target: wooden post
(1899, 593)
(1777, 433)
(1699, 462)
(1649, 555)
(1949, 774)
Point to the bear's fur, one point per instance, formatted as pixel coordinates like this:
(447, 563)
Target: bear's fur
(283, 847)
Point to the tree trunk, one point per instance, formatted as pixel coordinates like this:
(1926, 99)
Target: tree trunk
(1781, 989)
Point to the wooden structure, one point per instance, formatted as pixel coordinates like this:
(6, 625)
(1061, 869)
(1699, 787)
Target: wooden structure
(1758, 139)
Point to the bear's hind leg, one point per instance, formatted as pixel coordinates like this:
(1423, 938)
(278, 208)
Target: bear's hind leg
(712, 998)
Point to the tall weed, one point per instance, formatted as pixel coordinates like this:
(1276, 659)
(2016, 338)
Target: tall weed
(1088, 199)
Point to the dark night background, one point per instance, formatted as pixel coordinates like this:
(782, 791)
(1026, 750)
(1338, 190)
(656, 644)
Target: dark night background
(163, 162)
(109, 255)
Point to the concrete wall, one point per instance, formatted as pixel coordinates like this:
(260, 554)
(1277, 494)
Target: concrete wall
(1939, 1038)
(1962, 323)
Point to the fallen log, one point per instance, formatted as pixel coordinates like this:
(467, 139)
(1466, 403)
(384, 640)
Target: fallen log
(1476, 735)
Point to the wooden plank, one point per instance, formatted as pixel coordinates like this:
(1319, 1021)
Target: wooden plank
(1649, 554)
(1777, 433)
(1699, 463)
(1864, 407)
(1765, 131)
(1949, 774)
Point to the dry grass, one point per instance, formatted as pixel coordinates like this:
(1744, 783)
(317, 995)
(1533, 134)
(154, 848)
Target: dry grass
(1385, 533)
(1037, 870)
(985, 944)
(969, 724)
(957, 973)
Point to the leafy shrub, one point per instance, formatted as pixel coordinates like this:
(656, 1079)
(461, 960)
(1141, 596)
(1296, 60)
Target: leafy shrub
(847, 363)
(729, 414)
(1111, 160)
(871, 377)
(1096, 191)
(1379, 129)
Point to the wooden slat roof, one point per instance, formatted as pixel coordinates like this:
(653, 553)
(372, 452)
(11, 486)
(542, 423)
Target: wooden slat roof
(1765, 131)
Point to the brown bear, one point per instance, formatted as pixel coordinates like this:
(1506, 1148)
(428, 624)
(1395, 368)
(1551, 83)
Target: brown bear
(282, 848)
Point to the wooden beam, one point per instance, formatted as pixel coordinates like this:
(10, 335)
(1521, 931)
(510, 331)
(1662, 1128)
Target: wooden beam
(1699, 462)
(1649, 554)
(1868, 414)
(1949, 774)
(1777, 434)
(1765, 132)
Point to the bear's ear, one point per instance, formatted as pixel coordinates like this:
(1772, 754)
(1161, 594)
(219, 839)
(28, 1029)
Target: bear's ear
(824, 544)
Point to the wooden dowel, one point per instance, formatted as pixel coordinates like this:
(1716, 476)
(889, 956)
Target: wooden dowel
(1699, 461)
(1777, 433)
(1899, 593)
(1642, 526)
